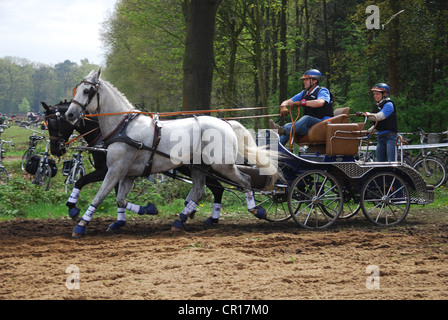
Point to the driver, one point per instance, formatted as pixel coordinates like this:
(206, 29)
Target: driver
(317, 104)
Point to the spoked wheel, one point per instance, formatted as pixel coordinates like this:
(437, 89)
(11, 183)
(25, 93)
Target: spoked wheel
(43, 177)
(350, 209)
(315, 200)
(275, 205)
(26, 157)
(4, 176)
(432, 169)
(385, 199)
(79, 172)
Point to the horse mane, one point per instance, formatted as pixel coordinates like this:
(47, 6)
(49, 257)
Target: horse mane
(122, 95)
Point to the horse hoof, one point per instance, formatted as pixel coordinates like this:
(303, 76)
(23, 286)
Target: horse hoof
(78, 232)
(74, 212)
(178, 225)
(209, 222)
(259, 212)
(77, 235)
(115, 226)
(176, 229)
(80, 229)
(151, 209)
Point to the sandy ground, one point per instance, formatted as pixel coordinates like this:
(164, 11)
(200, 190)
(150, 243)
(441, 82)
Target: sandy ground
(239, 260)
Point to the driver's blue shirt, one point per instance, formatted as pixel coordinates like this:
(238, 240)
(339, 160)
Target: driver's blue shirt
(322, 94)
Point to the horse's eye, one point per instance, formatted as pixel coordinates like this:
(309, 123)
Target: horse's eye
(86, 91)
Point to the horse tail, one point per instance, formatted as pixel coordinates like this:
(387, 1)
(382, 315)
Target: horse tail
(261, 156)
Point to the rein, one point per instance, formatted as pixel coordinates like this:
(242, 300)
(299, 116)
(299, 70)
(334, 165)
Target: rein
(94, 91)
(80, 136)
(177, 113)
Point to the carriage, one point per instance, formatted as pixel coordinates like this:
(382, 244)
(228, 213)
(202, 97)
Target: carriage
(317, 187)
(329, 181)
(322, 188)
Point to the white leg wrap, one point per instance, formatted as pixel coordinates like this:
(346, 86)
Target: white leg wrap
(250, 200)
(89, 213)
(216, 213)
(121, 214)
(132, 207)
(189, 208)
(74, 195)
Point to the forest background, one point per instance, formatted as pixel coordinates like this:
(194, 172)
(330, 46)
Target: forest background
(260, 50)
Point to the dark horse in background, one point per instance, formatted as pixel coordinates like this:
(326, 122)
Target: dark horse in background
(60, 131)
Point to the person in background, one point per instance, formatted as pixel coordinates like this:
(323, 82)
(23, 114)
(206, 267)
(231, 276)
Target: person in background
(385, 112)
(317, 104)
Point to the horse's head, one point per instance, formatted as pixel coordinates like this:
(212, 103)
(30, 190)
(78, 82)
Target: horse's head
(58, 128)
(83, 97)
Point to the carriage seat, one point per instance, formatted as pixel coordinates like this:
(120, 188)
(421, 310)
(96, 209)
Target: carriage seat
(317, 133)
(344, 138)
(335, 136)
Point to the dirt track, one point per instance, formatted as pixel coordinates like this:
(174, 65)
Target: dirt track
(244, 259)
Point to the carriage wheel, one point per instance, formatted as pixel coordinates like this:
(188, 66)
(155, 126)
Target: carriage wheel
(385, 199)
(315, 200)
(275, 205)
(350, 209)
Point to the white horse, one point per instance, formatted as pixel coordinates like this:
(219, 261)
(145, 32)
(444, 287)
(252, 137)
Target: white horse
(139, 145)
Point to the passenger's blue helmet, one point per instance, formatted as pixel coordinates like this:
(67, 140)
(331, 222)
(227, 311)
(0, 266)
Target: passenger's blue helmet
(313, 74)
(381, 87)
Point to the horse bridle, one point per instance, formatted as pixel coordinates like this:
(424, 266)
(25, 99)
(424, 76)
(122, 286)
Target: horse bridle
(92, 92)
(59, 138)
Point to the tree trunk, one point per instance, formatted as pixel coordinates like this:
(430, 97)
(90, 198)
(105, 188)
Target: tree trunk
(273, 50)
(200, 16)
(298, 26)
(283, 93)
(394, 56)
(307, 36)
(327, 46)
(259, 61)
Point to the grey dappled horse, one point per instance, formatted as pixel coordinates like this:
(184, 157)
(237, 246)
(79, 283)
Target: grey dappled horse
(60, 132)
(139, 145)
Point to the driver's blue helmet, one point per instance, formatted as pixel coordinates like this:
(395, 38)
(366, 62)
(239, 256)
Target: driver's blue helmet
(313, 74)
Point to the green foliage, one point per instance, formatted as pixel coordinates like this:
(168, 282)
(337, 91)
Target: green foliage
(24, 106)
(19, 196)
(24, 84)
(146, 40)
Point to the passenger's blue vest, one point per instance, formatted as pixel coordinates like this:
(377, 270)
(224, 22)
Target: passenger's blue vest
(390, 123)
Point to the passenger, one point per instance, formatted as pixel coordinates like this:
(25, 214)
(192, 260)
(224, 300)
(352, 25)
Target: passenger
(385, 112)
(317, 103)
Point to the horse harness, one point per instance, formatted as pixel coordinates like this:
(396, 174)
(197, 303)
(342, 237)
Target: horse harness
(92, 92)
(119, 135)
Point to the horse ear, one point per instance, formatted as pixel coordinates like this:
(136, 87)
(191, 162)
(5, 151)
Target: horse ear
(96, 77)
(46, 107)
(91, 74)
